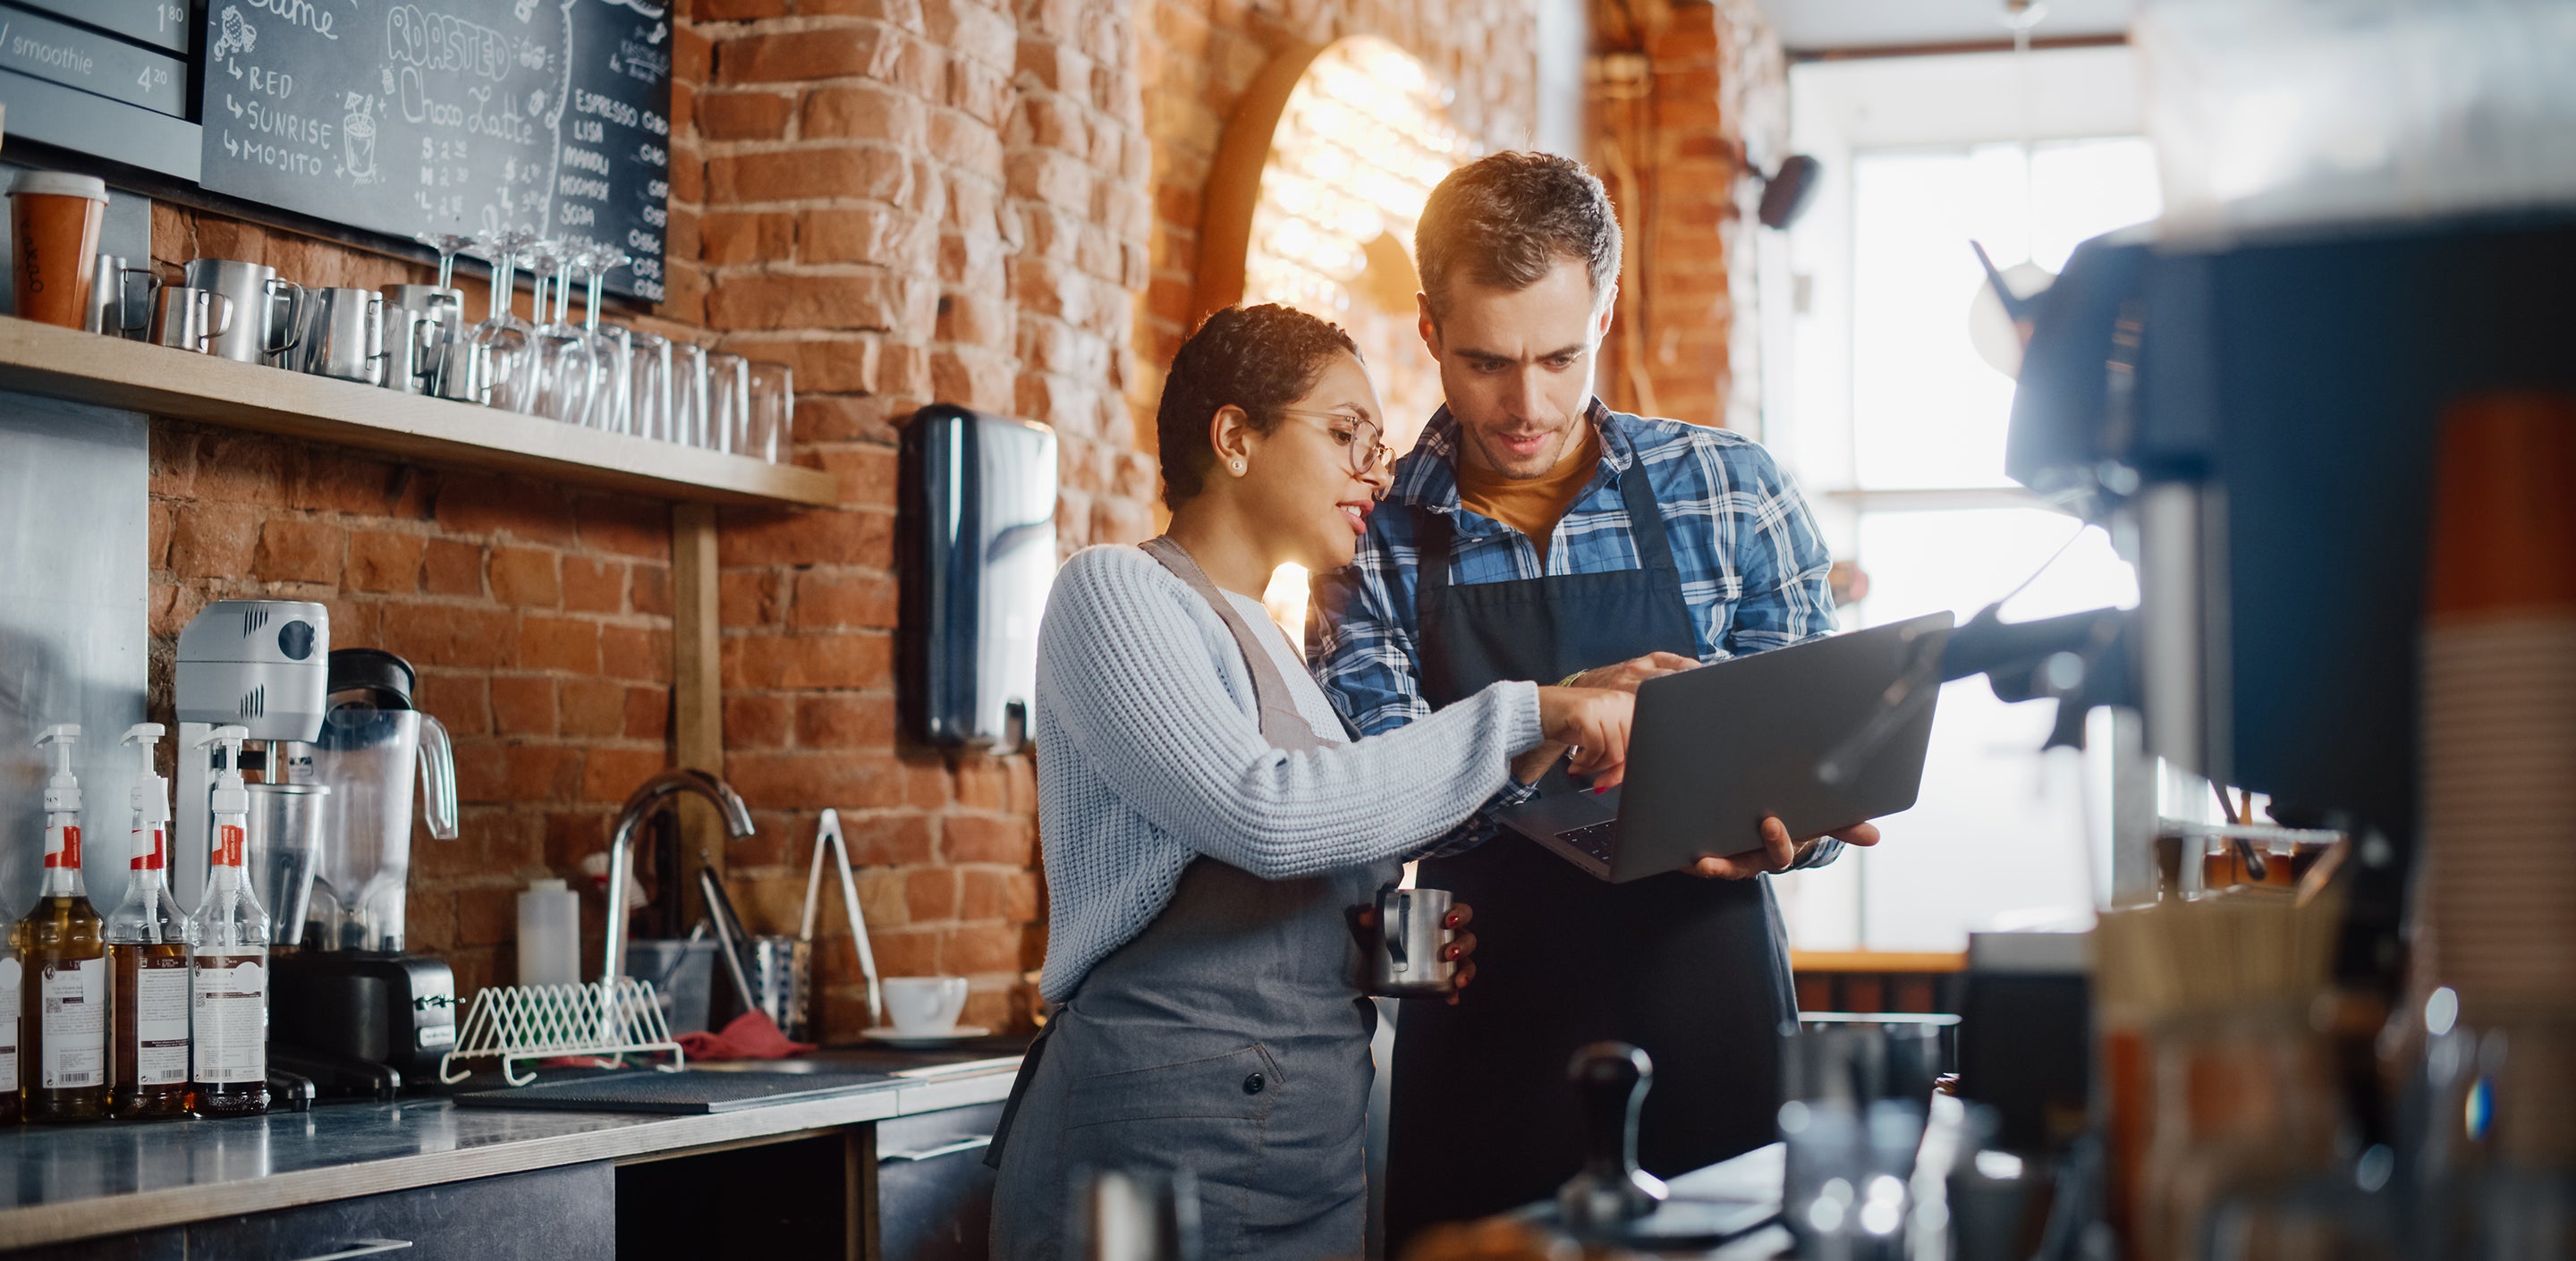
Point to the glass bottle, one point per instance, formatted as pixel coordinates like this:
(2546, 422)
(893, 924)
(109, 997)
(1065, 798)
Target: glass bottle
(147, 955)
(228, 959)
(63, 951)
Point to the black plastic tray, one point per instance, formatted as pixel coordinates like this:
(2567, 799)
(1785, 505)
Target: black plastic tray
(684, 1093)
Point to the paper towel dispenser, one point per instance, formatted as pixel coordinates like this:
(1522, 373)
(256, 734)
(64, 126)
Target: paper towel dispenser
(976, 538)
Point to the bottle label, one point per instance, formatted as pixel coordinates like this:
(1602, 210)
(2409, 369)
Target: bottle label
(72, 1045)
(62, 846)
(149, 844)
(8, 1023)
(228, 845)
(160, 1047)
(232, 1017)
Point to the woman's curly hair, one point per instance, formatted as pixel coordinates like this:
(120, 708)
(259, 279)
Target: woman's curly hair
(1258, 358)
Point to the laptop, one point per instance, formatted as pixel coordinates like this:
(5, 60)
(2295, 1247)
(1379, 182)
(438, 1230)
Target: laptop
(1825, 734)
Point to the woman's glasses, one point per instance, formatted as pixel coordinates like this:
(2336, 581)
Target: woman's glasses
(1359, 437)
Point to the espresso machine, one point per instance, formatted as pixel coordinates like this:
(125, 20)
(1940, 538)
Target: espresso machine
(351, 1007)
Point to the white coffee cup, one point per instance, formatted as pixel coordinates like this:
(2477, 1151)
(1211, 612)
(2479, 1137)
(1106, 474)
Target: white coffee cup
(924, 1006)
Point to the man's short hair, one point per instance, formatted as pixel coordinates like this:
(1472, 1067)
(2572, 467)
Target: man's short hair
(1505, 219)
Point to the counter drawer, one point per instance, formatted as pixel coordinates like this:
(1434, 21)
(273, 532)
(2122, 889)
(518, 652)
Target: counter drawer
(934, 1197)
(565, 1214)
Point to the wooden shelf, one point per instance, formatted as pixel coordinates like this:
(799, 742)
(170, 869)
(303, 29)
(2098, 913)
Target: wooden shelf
(136, 376)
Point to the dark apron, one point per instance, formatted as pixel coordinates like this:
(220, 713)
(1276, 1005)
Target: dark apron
(1229, 1038)
(1695, 971)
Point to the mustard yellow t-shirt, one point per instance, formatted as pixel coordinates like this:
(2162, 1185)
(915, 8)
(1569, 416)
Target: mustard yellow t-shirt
(1531, 505)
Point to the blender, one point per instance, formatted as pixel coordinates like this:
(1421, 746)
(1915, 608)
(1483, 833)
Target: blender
(352, 1009)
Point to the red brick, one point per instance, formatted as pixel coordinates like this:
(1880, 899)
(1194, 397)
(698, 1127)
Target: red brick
(831, 52)
(593, 586)
(983, 894)
(811, 537)
(525, 576)
(213, 540)
(448, 635)
(844, 722)
(383, 561)
(843, 600)
(906, 951)
(486, 917)
(930, 894)
(786, 780)
(559, 643)
(449, 567)
(243, 468)
(808, 661)
(298, 549)
(727, 237)
(973, 949)
(505, 508)
(460, 701)
(755, 722)
(810, 171)
(969, 838)
(593, 707)
(863, 111)
(747, 597)
(610, 774)
(886, 840)
(742, 115)
(629, 527)
(874, 234)
(523, 705)
(848, 300)
(648, 713)
(635, 653)
(652, 593)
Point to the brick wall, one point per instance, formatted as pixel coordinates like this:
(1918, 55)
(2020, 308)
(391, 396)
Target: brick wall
(908, 200)
(1678, 93)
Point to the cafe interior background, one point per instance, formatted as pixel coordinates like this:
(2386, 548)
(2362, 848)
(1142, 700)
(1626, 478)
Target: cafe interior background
(1020, 210)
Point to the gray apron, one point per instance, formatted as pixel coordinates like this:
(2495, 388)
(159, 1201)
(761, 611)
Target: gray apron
(1230, 1038)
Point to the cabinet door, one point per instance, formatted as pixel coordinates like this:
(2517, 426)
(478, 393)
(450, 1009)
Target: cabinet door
(565, 1214)
(149, 1245)
(934, 1197)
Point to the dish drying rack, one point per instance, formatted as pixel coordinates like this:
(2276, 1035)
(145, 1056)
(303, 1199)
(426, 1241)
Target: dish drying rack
(523, 1023)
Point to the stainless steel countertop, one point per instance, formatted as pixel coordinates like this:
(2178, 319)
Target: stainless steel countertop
(61, 1183)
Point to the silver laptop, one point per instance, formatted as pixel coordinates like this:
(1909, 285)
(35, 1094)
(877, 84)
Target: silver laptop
(1826, 734)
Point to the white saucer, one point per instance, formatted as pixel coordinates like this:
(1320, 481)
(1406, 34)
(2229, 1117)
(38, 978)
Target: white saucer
(892, 1036)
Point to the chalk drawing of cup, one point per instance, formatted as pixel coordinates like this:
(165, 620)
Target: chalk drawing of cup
(358, 135)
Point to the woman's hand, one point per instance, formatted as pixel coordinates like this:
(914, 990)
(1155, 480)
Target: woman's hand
(1462, 949)
(1595, 721)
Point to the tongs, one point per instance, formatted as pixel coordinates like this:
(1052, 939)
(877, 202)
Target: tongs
(829, 831)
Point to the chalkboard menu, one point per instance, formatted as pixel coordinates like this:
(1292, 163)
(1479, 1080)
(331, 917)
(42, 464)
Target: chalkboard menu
(463, 116)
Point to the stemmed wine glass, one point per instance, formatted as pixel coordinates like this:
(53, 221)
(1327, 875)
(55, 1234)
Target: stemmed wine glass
(567, 371)
(502, 350)
(447, 244)
(612, 407)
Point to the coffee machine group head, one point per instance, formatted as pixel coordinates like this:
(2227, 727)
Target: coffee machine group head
(257, 664)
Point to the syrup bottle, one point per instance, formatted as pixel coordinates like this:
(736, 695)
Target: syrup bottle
(147, 957)
(228, 958)
(62, 1063)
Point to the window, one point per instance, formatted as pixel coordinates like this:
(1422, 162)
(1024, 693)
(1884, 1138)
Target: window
(1896, 427)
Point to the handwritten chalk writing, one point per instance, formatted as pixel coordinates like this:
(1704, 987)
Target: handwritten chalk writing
(575, 215)
(571, 185)
(439, 41)
(586, 160)
(276, 83)
(304, 13)
(608, 107)
(258, 117)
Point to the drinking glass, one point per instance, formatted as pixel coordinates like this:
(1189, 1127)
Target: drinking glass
(612, 392)
(728, 402)
(648, 383)
(447, 244)
(502, 350)
(567, 371)
(689, 409)
(772, 410)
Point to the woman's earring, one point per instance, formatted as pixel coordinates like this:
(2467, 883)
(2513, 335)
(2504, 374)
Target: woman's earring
(1237, 466)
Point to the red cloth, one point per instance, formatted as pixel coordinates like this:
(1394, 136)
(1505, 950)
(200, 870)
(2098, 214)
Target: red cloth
(751, 1036)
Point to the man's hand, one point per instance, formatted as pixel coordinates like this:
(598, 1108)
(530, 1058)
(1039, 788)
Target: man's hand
(1777, 852)
(1626, 675)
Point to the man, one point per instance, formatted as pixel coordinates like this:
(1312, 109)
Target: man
(1534, 534)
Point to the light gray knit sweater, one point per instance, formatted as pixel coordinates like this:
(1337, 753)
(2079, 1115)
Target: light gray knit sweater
(1150, 754)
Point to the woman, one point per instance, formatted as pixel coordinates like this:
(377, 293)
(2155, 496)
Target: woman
(1210, 834)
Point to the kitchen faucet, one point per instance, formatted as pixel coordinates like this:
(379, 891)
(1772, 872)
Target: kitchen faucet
(649, 797)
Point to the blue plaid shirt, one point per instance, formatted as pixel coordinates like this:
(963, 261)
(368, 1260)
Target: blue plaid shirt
(1753, 568)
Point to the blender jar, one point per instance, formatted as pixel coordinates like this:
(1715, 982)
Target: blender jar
(365, 756)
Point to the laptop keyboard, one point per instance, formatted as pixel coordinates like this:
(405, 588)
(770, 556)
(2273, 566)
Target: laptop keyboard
(1593, 838)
